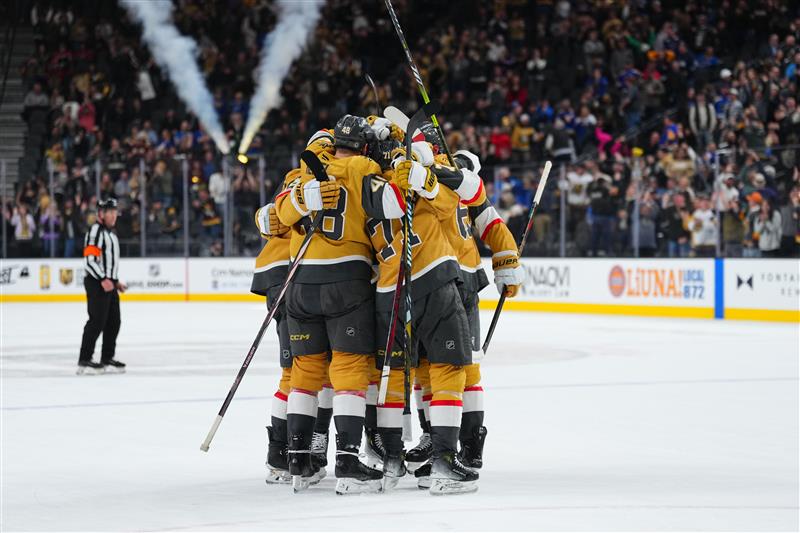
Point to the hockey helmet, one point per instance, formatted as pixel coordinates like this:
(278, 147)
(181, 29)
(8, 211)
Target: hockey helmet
(431, 136)
(353, 133)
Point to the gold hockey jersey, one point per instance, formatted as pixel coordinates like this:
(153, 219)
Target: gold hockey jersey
(342, 250)
(471, 206)
(272, 263)
(434, 260)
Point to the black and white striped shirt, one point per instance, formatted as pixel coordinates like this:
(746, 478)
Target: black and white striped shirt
(101, 253)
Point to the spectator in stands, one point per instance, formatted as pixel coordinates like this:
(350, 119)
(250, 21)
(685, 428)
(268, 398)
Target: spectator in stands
(73, 227)
(675, 226)
(703, 225)
(49, 227)
(769, 228)
(616, 68)
(602, 214)
(24, 230)
(702, 121)
(577, 189)
(36, 97)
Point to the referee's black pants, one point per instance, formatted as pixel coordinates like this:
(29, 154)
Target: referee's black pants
(103, 318)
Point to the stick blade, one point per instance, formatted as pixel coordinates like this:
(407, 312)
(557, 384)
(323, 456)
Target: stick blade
(314, 164)
(398, 117)
(543, 182)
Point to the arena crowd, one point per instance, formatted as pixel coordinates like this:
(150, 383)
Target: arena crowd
(674, 126)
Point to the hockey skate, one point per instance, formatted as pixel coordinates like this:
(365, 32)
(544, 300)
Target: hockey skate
(112, 366)
(277, 460)
(394, 468)
(450, 476)
(374, 448)
(353, 476)
(423, 475)
(471, 453)
(319, 455)
(89, 368)
(300, 467)
(420, 454)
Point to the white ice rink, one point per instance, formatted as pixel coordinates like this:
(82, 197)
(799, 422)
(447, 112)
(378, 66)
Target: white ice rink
(595, 423)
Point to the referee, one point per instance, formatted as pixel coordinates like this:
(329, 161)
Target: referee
(101, 263)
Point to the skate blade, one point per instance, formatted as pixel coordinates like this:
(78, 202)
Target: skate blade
(300, 483)
(440, 487)
(373, 461)
(412, 467)
(390, 482)
(348, 485)
(113, 370)
(424, 483)
(276, 476)
(87, 371)
(318, 476)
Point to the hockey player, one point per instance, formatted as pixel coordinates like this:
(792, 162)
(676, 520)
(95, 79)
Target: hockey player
(470, 205)
(440, 328)
(330, 302)
(270, 274)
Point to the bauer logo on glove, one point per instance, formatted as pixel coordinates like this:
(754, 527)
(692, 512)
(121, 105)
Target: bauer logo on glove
(508, 274)
(315, 195)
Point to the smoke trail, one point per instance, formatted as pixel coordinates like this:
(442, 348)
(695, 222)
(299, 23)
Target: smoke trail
(176, 54)
(282, 46)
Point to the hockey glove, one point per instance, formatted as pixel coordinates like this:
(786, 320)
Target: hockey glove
(467, 159)
(315, 195)
(385, 128)
(507, 272)
(414, 176)
(268, 223)
(422, 152)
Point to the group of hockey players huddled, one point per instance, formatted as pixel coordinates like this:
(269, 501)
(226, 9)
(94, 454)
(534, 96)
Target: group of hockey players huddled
(335, 318)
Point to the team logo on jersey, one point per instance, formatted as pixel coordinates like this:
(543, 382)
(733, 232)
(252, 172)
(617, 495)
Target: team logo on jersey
(286, 354)
(66, 275)
(450, 345)
(351, 331)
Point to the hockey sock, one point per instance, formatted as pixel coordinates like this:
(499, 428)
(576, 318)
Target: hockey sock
(301, 411)
(447, 382)
(423, 422)
(278, 415)
(390, 414)
(348, 415)
(324, 409)
(472, 416)
(371, 417)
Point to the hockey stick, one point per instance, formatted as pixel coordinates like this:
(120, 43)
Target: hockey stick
(417, 120)
(319, 173)
(539, 190)
(375, 91)
(415, 71)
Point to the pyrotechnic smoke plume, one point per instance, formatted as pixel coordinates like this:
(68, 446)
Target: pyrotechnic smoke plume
(282, 46)
(176, 54)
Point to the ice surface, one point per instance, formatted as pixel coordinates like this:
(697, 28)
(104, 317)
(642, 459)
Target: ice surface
(595, 423)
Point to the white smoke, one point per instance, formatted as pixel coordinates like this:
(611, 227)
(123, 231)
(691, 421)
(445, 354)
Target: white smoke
(176, 54)
(296, 20)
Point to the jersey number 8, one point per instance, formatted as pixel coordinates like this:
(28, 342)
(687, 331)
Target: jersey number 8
(333, 220)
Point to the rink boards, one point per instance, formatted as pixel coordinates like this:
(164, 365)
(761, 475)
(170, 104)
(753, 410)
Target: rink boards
(742, 289)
